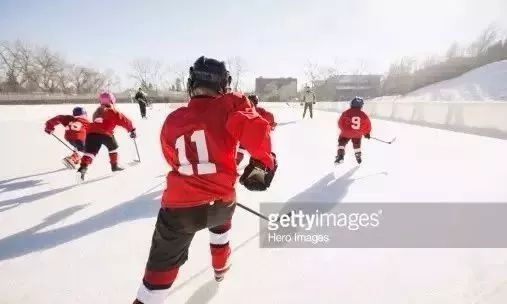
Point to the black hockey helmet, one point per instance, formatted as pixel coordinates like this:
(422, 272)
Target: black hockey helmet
(78, 111)
(357, 102)
(209, 73)
(254, 99)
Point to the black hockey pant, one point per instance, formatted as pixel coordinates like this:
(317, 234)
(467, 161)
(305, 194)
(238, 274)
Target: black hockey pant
(342, 142)
(174, 231)
(94, 142)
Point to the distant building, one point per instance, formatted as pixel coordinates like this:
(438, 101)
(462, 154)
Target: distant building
(346, 87)
(276, 89)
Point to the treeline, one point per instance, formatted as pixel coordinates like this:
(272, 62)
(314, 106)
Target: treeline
(156, 76)
(408, 74)
(27, 69)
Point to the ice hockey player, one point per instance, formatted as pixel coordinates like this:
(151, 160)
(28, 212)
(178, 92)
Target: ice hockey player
(308, 100)
(268, 116)
(199, 143)
(262, 112)
(76, 126)
(353, 125)
(101, 132)
(142, 100)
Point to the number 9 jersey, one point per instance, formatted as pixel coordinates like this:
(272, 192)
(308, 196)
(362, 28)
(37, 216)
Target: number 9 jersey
(199, 142)
(354, 123)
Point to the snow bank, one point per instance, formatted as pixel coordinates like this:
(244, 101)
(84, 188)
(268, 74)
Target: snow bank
(472, 103)
(486, 83)
(484, 118)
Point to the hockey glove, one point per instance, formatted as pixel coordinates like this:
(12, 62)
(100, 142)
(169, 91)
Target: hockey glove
(367, 136)
(133, 134)
(256, 177)
(49, 130)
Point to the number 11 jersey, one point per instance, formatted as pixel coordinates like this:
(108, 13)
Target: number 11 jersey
(199, 142)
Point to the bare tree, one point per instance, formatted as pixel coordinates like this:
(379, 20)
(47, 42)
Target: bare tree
(360, 68)
(11, 56)
(86, 80)
(177, 85)
(27, 68)
(318, 74)
(96, 81)
(7, 66)
(485, 40)
(111, 80)
(25, 60)
(399, 78)
(454, 51)
(64, 79)
(236, 67)
(311, 73)
(79, 77)
(166, 80)
(181, 79)
(47, 66)
(429, 61)
(147, 72)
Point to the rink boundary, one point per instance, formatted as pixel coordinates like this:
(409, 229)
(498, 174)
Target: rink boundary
(479, 118)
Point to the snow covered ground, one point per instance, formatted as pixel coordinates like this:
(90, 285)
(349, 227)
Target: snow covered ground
(62, 243)
(487, 83)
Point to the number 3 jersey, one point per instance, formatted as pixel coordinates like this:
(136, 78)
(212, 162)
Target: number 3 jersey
(199, 142)
(354, 123)
(75, 126)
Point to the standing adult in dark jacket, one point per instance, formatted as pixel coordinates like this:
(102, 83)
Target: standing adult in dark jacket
(142, 99)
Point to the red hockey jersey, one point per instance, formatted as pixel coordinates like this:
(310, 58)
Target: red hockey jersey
(354, 123)
(268, 116)
(75, 126)
(106, 118)
(199, 142)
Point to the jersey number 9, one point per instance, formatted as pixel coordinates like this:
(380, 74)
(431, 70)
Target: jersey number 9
(356, 122)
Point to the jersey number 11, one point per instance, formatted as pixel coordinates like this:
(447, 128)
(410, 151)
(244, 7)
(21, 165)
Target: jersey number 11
(204, 166)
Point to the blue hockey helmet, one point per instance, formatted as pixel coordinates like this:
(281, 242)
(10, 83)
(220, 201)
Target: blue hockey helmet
(357, 102)
(78, 111)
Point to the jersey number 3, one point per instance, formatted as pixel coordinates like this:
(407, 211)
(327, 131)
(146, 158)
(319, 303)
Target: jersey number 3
(75, 126)
(204, 166)
(356, 122)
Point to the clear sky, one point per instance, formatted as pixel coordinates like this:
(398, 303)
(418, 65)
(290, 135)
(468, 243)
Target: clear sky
(274, 38)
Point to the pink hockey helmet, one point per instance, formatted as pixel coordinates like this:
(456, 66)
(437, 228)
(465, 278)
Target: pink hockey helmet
(107, 98)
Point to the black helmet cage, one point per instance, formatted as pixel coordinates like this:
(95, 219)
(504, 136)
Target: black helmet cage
(214, 76)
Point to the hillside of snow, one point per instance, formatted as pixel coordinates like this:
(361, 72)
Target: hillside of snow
(487, 83)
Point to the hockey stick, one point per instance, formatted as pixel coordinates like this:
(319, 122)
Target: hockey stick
(137, 150)
(68, 147)
(384, 141)
(262, 216)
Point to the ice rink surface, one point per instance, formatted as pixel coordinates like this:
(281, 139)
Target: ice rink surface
(66, 243)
